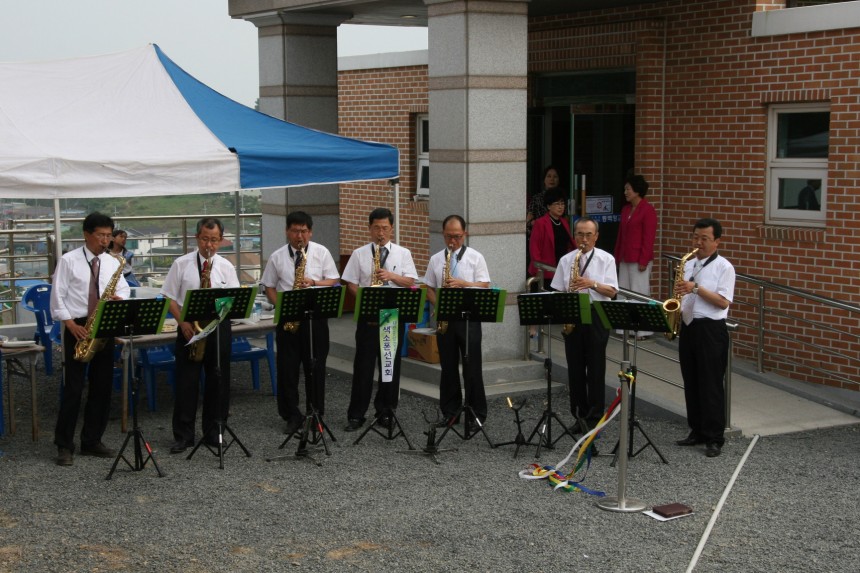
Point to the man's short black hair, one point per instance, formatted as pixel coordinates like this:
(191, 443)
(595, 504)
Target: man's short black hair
(300, 218)
(708, 222)
(95, 220)
(454, 217)
(210, 223)
(380, 213)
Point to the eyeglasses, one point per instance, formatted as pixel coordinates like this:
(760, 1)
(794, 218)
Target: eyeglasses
(585, 235)
(453, 237)
(561, 203)
(209, 240)
(304, 231)
(102, 236)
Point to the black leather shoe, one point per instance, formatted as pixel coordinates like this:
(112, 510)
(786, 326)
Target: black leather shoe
(690, 440)
(179, 446)
(353, 425)
(64, 457)
(98, 450)
(384, 420)
(713, 450)
(472, 427)
(444, 422)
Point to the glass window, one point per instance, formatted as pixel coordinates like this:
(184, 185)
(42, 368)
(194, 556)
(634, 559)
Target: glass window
(798, 148)
(422, 178)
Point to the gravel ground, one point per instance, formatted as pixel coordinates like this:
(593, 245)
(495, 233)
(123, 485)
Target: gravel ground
(794, 506)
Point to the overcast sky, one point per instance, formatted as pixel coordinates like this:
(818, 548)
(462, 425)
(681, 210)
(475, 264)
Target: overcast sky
(198, 35)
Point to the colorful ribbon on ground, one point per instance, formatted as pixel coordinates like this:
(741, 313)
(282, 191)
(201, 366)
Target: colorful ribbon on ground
(554, 474)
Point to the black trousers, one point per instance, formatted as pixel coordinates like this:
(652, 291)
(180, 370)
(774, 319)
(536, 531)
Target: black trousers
(366, 359)
(703, 350)
(188, 386)
(585, 350)
(294, 355)
(99, 373)
(452, 347)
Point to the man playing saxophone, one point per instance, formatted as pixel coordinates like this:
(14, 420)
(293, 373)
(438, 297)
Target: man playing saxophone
(466, 267)
(703, 349)
(395, 269)
(79, 282)
(190, 272)
(585, 346)
(313, 264)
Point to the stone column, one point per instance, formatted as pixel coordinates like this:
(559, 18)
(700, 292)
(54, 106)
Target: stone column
(298, 83)
(478, 104)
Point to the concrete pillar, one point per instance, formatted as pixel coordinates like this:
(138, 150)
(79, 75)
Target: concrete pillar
(478, 104)
(298, 83)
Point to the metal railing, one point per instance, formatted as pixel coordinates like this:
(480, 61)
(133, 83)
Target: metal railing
(29, 254)
(761, 319)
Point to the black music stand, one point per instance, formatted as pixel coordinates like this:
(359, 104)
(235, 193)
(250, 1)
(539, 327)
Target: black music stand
(132, 317)
(308, 305)
(410, 304)
(552, 308)
(467, 305)
(633, 316)
(520, 439)
(200, 305)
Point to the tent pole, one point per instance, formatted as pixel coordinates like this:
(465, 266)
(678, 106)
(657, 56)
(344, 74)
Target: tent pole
(238, 233)
(58, 233)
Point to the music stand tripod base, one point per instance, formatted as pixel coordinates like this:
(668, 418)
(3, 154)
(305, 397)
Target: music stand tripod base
(392, 432)
(628, 505)
(431, 447)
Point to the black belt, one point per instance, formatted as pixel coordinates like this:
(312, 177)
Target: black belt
(713, 320)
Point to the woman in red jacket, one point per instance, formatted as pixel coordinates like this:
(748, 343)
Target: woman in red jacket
(551, 237)
(634, 249)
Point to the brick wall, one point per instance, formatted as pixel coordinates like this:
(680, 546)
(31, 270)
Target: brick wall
(381, 105)
(703, 87)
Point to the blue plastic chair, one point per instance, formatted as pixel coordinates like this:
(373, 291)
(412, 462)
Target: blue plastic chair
(242, 350)
(151, 361)
(37, 299)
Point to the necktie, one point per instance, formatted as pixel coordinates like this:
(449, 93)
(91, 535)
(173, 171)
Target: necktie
(298, 258)
(383, 256)
(93, 299)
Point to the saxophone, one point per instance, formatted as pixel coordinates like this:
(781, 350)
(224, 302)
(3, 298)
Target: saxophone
(293, 327)
(442, 327)
(197, 350)
(375, 281)
(574, 276)
(672, 306)
(87, 348)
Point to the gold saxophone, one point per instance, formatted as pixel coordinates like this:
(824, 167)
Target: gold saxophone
(375, 281)
(198, 349)
(672, 306)
(574, 276)
(87, 348)
(442, 327)
(293, 327)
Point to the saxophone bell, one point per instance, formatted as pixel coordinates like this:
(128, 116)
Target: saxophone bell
(672, 306)
(574, 276)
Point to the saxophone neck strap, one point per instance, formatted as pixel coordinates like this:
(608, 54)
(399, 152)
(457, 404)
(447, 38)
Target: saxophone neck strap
(696, 272)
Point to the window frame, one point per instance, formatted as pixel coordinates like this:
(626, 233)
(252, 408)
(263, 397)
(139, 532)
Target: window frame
(422, 154)
(793, 168)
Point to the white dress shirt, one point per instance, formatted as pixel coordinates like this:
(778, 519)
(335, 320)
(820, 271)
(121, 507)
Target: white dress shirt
(717, 276)
(471, 267)
(71, 283)
(360, 265)
(184, 275)
(601, 270)
(280, 272)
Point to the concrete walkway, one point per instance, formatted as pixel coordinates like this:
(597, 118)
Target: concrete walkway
(764, 404)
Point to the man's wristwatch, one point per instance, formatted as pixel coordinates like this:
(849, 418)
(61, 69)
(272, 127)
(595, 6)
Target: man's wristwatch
(595, 286)
(695, 288)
